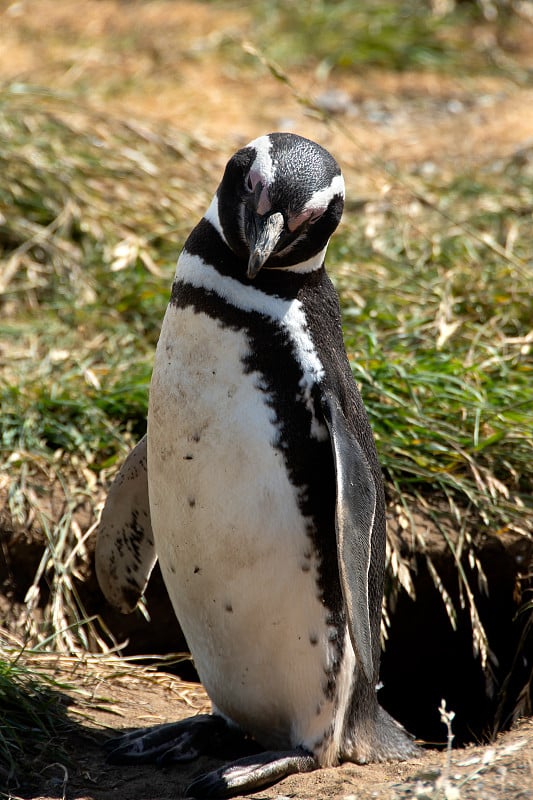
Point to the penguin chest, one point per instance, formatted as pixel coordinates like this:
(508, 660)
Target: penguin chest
(233, 544)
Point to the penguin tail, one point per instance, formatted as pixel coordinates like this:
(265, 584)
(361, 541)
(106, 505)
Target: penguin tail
(380, 738)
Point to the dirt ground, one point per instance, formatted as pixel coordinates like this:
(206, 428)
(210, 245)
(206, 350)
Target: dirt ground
(421, 122)
(116, 700)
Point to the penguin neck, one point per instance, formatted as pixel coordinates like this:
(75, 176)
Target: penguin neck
(288, 282)
(207, 242)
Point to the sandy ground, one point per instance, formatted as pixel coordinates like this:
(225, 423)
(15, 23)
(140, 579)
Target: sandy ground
(115, 700)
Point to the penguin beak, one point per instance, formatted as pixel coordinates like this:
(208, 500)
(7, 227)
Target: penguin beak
(263, 235)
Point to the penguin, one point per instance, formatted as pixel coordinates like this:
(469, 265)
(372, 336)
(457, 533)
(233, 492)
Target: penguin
(261, 492)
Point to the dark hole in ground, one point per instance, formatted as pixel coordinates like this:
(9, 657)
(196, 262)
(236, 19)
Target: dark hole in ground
(426, 661)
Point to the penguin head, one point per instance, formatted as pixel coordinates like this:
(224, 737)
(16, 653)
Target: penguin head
(280, 199)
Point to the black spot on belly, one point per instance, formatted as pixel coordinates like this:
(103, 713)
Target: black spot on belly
(330, 678)
(191, 501)
(313, 638)
(196, 570)
(188, 457)
(229, 608)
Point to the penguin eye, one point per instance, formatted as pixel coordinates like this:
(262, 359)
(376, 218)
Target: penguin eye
(316, 216)
(300, 222)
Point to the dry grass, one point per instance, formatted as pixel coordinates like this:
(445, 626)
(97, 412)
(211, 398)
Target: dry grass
(48, 693)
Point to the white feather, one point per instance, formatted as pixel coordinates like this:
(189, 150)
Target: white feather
(321, 199)
(212, 216)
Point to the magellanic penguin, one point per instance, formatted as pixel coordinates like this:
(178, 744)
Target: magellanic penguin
(265, 492)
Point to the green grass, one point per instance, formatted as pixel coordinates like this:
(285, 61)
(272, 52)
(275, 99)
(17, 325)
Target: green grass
(442, 344)
(33, 721)
(92, 215)
(403, 35)
(82, 295)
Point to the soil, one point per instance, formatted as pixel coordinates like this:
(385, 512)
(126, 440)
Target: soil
(163, 62)
(121, 700)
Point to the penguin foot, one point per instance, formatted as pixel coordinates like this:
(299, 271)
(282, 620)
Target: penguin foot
(178, 742)
(379, 739)
(251, 773)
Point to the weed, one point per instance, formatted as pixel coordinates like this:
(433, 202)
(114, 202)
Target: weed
(33, 721)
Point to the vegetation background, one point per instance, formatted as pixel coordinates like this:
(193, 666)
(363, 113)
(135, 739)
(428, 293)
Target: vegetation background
(116, 119)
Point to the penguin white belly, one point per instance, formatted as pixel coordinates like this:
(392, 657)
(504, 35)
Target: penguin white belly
(231, 539)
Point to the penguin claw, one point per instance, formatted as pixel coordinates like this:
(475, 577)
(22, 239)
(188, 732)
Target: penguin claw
(173, 742)
(251, 773)
(180, 742)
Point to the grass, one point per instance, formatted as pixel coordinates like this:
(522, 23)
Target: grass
(33, 722)
(82, 280)
(81, 305)
(389, 35)
(445, 358)
(48, 699)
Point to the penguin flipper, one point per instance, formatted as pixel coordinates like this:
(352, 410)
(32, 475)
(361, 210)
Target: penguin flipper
(125, 552)
(354, 522)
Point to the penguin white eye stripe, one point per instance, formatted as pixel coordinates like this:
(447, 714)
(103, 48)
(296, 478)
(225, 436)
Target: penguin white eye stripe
(318, 203)
(323, 197)
(310, 264)
(263, 203)
(263, 164)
